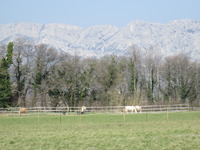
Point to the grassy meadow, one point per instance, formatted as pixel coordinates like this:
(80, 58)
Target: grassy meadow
(177, 131)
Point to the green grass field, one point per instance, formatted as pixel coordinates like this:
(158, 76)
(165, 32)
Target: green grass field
(173, 131)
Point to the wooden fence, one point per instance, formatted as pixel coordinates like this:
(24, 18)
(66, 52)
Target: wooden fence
(103, 109)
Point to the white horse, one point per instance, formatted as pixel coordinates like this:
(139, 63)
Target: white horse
(83, 109)
(138, 109)
(129, 108)
(132, 109)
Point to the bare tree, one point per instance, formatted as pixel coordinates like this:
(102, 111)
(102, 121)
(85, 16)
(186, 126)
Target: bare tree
(45, 59)
(152, 65)
(21, 71)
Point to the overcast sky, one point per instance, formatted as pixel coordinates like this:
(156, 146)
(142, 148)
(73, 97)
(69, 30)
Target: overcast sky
(86, 13)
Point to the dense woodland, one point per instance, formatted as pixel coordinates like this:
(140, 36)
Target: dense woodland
(38, 75)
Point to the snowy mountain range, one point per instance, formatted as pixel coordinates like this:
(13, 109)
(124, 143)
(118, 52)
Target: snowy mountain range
(171, 38)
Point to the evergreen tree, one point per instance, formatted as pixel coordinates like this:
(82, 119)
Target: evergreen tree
(112, 73)
(5, 84)
(9, 54)
(169, 88)
(132, 76)
(151, 84)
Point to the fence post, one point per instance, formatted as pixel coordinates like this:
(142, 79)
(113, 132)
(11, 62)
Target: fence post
(38, 117)
(60, 118)
(188, 106)
(167, 112)
(124, 116)
(147, 116)
(80, 117)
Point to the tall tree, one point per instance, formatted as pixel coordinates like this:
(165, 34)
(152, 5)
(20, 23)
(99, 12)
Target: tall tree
(112, 72)
(21, 71)
(5, 84)
(134, 66)
(152, 64)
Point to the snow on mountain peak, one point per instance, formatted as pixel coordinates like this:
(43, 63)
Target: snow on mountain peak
(171, 38)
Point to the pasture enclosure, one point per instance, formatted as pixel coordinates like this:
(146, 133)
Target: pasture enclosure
(92, 110)
(102, 131)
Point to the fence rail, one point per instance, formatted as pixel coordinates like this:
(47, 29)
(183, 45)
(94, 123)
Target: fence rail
(103, 109)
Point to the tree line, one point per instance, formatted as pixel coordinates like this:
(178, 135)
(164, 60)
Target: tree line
(39, 75)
